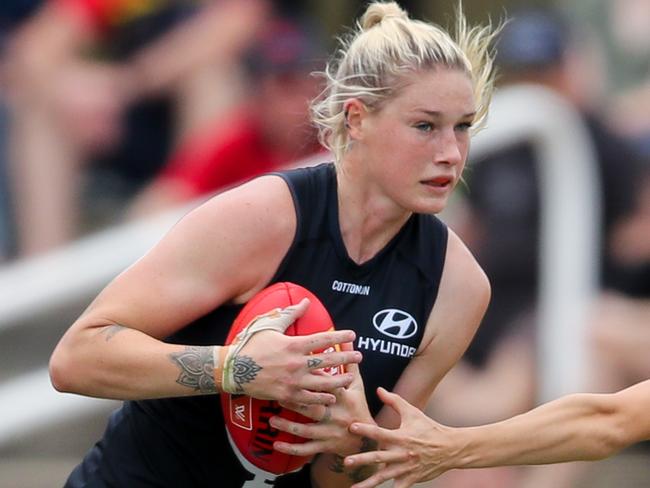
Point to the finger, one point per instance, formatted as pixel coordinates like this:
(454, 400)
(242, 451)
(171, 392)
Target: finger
(372, 431)
(323, 340)
(307, 431)
(383, 475)
(376, 457)
(318, 413)
(328, 383)
(305, 449)
(314, 412)
(395, 401)
(405, 482)
(308, 397)
(350, 367)
(332, 359)
(289, 315)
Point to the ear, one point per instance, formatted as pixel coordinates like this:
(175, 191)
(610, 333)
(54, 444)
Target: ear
(355, 111)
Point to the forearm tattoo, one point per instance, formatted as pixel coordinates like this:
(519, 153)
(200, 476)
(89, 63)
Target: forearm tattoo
(244, 371)
(197, 368)
(112, 331)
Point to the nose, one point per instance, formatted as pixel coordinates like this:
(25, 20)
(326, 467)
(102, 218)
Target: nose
(448, 148)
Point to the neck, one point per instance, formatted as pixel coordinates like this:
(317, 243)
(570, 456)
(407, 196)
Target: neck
(368, 218)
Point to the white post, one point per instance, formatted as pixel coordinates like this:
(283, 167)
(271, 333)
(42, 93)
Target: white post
(570, 219)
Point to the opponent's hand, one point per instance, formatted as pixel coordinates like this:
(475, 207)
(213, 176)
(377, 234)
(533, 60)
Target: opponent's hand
(414, 453)
(267, 364)
(330, 433)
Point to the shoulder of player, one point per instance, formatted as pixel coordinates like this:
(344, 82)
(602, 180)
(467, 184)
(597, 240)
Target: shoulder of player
(462, 274)
(236, 239)
(262, 206)
(463, 295)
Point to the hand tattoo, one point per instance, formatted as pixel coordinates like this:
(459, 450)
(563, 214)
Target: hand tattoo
(313, 363)
(197, 368)
(244, 371)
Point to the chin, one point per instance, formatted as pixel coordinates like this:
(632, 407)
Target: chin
(429, 207)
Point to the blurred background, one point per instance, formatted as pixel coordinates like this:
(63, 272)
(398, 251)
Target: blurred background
(118, 115)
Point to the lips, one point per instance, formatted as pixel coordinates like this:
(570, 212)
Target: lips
(439, 181)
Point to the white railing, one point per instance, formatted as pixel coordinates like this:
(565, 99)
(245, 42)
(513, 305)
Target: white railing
(569, 234)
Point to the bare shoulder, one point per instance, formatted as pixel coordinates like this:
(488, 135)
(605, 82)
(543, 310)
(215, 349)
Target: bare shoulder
(463, 295)
(463, 272)
(223, 251)
(245, 231)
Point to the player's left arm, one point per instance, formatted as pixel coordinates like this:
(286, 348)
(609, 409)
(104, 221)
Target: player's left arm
(462, 299)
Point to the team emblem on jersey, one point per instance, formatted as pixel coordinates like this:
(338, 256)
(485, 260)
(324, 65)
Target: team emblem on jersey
(395, 323)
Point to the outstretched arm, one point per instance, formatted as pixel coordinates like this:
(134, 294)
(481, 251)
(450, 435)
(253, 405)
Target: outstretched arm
(577, 427)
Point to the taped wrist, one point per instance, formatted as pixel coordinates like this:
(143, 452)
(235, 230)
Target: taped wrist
(277, 319)
(219, 354)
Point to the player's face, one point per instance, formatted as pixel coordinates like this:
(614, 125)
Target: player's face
(418, 141)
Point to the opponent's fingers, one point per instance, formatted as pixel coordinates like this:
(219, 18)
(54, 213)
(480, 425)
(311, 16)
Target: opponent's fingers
(321, 341)
(383, 475)
(406, 481)
(305, 449)
(372, 431)
(376, 457)
(395, 401)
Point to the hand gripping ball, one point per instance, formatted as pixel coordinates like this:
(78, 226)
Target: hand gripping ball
(247, 419)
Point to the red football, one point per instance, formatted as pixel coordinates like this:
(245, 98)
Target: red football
(247, 419)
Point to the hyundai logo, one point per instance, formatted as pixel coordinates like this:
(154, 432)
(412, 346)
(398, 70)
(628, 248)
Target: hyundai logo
(395, 323)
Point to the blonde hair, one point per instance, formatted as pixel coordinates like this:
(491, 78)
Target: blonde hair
(385, 46)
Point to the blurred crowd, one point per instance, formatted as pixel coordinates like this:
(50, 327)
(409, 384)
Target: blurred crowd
(116, 109)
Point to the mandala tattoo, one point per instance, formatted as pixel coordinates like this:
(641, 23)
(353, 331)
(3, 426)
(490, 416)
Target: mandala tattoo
(244, 371)
(197, 368)
(314, 363)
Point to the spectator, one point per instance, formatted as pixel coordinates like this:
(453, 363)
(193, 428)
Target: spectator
(12, 14)
(269, 130)
(113, 82)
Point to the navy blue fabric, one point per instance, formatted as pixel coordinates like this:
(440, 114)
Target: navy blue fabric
(182, 441)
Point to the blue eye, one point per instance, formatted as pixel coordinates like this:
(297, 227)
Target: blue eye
(424, 126)
(464, 127)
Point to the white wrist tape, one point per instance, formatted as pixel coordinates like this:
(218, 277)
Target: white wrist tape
(278, 319)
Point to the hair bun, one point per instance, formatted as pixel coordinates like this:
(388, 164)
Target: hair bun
(378, 11)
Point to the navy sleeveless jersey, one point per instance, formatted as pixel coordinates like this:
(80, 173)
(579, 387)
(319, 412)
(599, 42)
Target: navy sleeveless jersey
(386, 300)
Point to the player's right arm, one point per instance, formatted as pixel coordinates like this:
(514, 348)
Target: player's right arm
(224, 251)
(579, 427)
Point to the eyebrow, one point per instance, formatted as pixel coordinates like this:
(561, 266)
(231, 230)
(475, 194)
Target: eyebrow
(435, 113)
